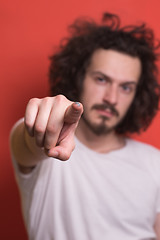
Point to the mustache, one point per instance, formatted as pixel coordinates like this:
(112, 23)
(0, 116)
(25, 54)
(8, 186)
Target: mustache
(106, 106)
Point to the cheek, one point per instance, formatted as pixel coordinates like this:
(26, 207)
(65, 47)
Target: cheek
(125, 104)
(91, 95)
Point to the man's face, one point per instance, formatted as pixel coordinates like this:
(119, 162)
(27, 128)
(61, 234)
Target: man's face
(109, 88)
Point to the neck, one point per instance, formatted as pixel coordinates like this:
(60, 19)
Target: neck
(103, 143)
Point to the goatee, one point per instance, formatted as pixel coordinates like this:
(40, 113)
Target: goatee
(101, 128)
(98, 129)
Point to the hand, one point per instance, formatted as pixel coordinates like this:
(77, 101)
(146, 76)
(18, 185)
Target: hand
(52, 122)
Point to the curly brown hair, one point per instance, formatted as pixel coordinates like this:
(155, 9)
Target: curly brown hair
(69, 64)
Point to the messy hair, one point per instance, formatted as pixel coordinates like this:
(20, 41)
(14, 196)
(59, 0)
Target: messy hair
(68, 66)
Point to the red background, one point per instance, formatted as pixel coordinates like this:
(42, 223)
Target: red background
(29, 31)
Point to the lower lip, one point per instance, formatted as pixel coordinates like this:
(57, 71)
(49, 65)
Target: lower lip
(105, 113)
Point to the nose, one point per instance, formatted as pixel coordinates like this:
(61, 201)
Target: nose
(111, 94)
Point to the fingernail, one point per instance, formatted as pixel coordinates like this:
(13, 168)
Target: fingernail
(78, 104)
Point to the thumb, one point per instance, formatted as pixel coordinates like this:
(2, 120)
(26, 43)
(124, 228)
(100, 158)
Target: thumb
(73, 113)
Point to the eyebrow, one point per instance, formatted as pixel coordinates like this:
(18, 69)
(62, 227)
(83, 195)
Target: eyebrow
(110, 79)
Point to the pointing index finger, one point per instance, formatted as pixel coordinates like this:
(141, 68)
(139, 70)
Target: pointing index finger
(73, 113)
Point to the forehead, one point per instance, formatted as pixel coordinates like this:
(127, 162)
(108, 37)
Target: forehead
(115, 64)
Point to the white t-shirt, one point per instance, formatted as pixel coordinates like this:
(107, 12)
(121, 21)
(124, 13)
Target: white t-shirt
(93, 196)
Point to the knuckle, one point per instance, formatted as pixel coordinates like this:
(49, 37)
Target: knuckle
(39, 128)
(33, 101)
(51, 129)
(60, 98)
(28, 125)
(47, 100)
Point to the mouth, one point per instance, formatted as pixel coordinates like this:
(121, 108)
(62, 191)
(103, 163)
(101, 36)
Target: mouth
(106, 110)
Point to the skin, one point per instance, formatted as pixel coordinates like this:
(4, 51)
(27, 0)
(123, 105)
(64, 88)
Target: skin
(112, 78)
(51, 123)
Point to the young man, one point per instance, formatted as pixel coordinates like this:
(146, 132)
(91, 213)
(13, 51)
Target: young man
(110, 186)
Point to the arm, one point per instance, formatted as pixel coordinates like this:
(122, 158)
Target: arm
(157, 227)
(48, 128)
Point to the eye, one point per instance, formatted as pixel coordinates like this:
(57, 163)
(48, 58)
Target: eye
(127, 88)
(101, 79)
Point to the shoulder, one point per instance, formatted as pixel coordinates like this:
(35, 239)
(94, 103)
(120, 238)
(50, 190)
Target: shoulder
(147, 155)
(144, 147)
